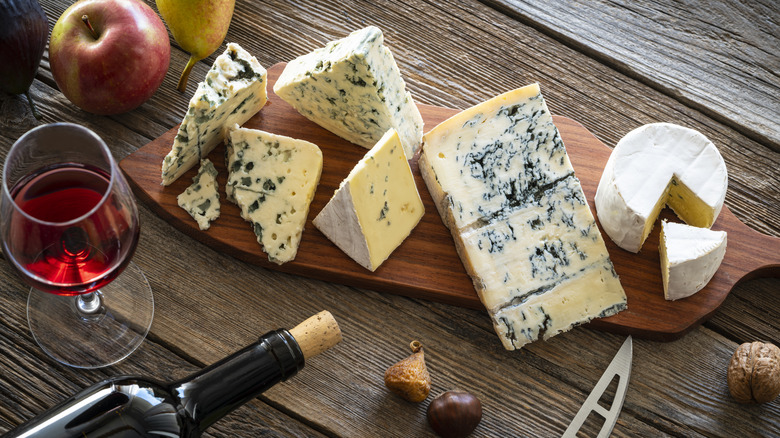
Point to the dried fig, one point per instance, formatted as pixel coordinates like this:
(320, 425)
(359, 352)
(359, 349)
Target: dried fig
(754, 373)
(409, 378)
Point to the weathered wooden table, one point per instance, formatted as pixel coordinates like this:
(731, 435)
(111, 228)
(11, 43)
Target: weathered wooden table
(612, 66)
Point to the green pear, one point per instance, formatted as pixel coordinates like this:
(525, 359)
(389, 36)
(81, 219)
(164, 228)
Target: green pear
(199, 26)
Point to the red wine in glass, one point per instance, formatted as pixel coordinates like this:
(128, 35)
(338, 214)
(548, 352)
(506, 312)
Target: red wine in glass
(69, 226)
(80, 257)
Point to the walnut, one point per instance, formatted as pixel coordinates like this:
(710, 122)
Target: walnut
(754, 373)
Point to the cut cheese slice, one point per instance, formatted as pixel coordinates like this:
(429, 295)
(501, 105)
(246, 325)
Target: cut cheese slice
(523, 254)
(590, 293)
(502, 181)
(273, 179)
(655, 165)
(234, 90)
(353, 88)
(376, 207)
(690, 256)
(201, 199)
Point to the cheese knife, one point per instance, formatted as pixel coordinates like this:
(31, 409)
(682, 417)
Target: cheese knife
(621, 367)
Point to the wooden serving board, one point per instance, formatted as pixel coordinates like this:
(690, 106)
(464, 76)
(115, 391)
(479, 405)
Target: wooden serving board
(426, 265)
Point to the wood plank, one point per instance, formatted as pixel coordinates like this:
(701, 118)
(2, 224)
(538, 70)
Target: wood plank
(720, 58)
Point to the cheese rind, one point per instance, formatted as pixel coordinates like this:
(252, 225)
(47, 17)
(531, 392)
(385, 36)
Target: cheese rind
(690, 257)
(234, 90)
(273, 179)
(655, 165)
(353, 88)
(201, 199)
(376, 207)
(502, 181)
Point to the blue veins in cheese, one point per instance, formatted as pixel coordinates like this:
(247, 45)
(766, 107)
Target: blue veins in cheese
(503, 184)
(272, 178)
(201, 199)
(234, 90)
(376, 207)
(353, 88)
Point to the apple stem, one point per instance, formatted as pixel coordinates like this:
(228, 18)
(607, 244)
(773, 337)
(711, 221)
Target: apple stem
(185, 75)
(85, 19)
(35, 112)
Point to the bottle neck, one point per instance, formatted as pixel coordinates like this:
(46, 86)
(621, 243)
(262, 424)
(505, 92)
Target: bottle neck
(218, 389)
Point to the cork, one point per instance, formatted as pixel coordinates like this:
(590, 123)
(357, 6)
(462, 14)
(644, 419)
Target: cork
(317, 334)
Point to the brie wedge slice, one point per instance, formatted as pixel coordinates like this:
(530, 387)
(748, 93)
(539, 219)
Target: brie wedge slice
(655, 165)
(375, 207)
(690, 256)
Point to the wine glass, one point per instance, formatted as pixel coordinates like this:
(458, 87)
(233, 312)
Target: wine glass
(69, 227)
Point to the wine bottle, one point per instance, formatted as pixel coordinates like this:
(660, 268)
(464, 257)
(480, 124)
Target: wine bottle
(132, 406)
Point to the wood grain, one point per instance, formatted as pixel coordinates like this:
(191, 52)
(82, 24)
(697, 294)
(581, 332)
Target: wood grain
(721, 58)
(426, 265)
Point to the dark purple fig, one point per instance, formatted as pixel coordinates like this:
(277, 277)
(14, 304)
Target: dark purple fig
(24, 30)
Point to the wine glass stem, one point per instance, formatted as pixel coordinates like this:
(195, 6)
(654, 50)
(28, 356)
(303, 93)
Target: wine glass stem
(88, 303)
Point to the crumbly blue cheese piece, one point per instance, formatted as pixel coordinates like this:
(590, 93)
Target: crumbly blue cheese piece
(201, 199)
(502, 181)
(353, 88)
(273, 179)
(591, 293)
(234, 90)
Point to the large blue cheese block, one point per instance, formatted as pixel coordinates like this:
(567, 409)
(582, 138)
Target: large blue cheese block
(503, 184)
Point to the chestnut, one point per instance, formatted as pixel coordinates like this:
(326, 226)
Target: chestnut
(454, 414)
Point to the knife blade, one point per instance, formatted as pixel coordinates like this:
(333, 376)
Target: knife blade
(621, 367)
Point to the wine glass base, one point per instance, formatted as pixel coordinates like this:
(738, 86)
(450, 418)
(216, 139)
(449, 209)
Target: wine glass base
(85, 336)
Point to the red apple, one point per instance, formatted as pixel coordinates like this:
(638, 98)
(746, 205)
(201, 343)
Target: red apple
(109, 56)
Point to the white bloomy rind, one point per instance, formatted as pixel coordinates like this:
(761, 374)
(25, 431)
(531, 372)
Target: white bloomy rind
(690, 256)
(655, 165)
(376, 207)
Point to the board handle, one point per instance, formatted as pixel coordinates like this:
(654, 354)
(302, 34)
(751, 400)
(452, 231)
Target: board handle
(760, 253)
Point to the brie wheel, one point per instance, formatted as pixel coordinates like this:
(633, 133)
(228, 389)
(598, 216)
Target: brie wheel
(656, 165)
(690, 256)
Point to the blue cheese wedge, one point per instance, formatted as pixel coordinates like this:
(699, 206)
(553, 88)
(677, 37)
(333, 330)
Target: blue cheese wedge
(375, 207)
(352, 87)
(234, 90)
(272, 179)
(201, 199)
(502, 181)
(690, 257)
